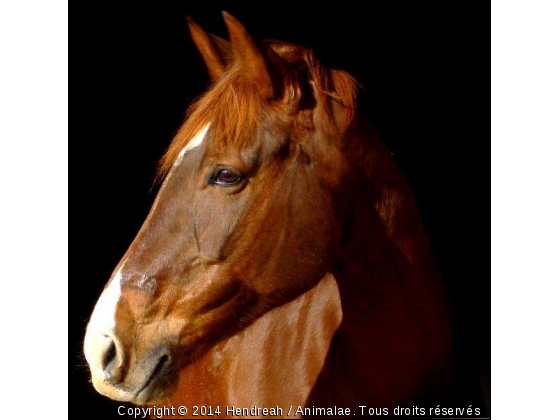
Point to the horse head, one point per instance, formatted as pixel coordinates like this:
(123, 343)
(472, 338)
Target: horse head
(249, 215)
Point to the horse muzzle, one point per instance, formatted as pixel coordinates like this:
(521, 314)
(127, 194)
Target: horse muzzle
(124, 377)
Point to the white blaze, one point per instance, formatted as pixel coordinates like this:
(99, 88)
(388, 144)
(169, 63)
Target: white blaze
(106, 307)
(102, 321)
(194, 142)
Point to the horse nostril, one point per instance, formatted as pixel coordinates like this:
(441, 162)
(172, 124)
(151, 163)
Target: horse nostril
(109, 356)
(110, 362)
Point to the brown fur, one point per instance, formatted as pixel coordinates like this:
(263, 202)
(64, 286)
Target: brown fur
(235, 106)
(310, 283)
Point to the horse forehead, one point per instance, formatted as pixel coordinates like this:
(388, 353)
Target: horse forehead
(194, 142)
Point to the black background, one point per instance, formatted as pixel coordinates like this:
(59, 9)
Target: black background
(425, 83)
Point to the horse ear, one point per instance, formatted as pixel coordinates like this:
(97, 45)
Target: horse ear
(216, 52)
(250, 56)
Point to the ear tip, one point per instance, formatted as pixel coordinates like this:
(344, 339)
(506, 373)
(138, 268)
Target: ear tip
(195, 29)
(228, 17)
(192, 23)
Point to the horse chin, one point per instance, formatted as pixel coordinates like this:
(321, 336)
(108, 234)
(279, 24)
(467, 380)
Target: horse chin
(148, 387)
(160, 386)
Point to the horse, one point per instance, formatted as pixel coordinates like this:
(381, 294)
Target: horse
(283, 263)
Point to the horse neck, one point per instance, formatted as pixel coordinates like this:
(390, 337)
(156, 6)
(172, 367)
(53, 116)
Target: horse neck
(385, 249)
(395, 327)
(287, 345)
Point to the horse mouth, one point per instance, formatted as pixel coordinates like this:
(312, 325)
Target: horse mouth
(153, 387)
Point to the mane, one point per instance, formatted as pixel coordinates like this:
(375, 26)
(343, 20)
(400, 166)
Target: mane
(235, 107)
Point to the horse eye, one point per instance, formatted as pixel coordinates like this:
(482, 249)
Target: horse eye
(226, 177)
